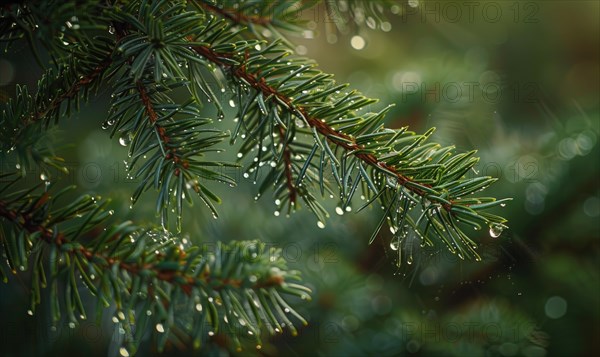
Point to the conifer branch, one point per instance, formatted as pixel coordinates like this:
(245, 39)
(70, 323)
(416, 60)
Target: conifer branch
(145, 270)
(340, 139)
(185, 280)
(405, 172)
(26, 118)
(71, 92)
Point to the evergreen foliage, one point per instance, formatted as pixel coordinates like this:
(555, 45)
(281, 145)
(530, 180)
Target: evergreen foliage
(307, 137)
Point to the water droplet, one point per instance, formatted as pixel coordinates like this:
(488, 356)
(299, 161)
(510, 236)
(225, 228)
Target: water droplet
(320, 224)
(199, 307)
(276, 213)
(71, 325)
(43, 177)
(121, 315)
(29, 312)
(496, 230)
(111, 30)
(339, 210)
(124, 139)
(395, 244)
(111, 212)
(123, 352)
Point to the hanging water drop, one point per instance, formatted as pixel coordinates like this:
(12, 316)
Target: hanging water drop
(339, 210)
(496, 230)
(111, 30)
(395, 244)
(160, 328)
(123, 352)
(124, 139)
(320, 224)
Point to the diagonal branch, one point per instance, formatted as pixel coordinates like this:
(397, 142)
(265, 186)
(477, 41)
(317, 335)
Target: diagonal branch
(186, 282)
(347, 143)
(72, 91)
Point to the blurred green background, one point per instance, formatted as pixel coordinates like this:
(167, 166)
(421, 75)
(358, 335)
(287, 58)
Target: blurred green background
(518, 80)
